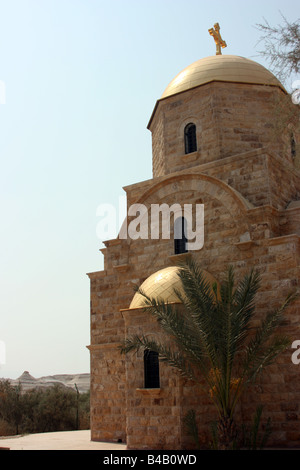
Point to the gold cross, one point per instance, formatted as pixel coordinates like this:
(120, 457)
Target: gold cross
(215, 32)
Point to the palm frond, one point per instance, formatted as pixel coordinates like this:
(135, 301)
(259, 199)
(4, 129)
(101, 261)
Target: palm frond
(257, 349)
(190, 336)
(166, 353)
(199, 303)
(207, 333)
(190, 423)
(266, 356)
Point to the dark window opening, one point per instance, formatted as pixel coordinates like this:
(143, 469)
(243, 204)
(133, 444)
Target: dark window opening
(151, 369)
(180, 240)
(293, 147)
(190, 140)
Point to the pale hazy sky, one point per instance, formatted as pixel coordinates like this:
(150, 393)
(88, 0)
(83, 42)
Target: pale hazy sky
(81, 80)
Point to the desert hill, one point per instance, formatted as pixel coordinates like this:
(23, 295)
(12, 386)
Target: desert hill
(29, 382)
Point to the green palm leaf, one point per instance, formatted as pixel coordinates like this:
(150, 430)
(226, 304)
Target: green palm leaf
(210, 334)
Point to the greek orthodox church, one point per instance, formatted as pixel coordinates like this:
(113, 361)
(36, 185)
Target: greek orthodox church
(219, 140)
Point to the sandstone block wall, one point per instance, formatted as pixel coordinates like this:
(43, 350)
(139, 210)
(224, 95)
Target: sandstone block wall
(120, 407)
(230, 118)
(250, 187)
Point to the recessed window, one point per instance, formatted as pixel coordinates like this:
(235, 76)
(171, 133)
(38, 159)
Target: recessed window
(293, 146)
(190, 139)
(180, 240)
(151, 369)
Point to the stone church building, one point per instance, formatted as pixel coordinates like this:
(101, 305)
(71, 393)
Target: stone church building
(217, 140)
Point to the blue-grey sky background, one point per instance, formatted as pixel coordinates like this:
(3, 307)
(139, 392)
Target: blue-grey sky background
(81, 80)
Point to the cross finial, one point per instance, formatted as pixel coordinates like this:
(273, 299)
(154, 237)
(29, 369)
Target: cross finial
(215, 32)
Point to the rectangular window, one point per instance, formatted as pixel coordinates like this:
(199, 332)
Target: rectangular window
(180, 240)
(151, 369)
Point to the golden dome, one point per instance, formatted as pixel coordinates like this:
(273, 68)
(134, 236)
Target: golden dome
(161, 285)
(224, 68)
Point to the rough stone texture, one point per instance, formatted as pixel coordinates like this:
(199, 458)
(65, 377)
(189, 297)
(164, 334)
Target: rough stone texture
(249, 184)
(231, 119)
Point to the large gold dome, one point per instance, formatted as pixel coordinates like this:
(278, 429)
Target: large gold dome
(224, 68)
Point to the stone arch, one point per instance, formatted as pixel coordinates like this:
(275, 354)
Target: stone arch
(209, 183)
(234, 202)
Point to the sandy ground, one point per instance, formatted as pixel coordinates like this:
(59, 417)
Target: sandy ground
(67, 440)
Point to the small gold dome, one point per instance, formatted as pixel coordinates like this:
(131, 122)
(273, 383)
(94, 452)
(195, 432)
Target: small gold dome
(224, 68)
(159, 285)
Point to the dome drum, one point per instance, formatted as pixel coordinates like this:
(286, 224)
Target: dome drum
(231, 100)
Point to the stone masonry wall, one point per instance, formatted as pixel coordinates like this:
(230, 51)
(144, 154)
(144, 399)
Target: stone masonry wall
(231, 119)
(249, 188)
(153, 415)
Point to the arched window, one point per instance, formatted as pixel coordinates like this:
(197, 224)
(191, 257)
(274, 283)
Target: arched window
(151, 369)
(190, 139)
(180, 240)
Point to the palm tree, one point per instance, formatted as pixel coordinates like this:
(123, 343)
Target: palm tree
(211, 334)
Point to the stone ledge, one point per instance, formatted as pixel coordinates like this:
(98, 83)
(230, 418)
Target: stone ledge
(121, 267)
(95, 347)
(149, 391)
(97, 274)
(293, 237)
(189, 157)
(243, 246)
(182, 257)
(112, 242)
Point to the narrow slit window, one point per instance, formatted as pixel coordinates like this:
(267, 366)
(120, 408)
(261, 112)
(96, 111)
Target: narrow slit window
(180, 240)
(151, 369)
(190, 139)
(293, 146)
